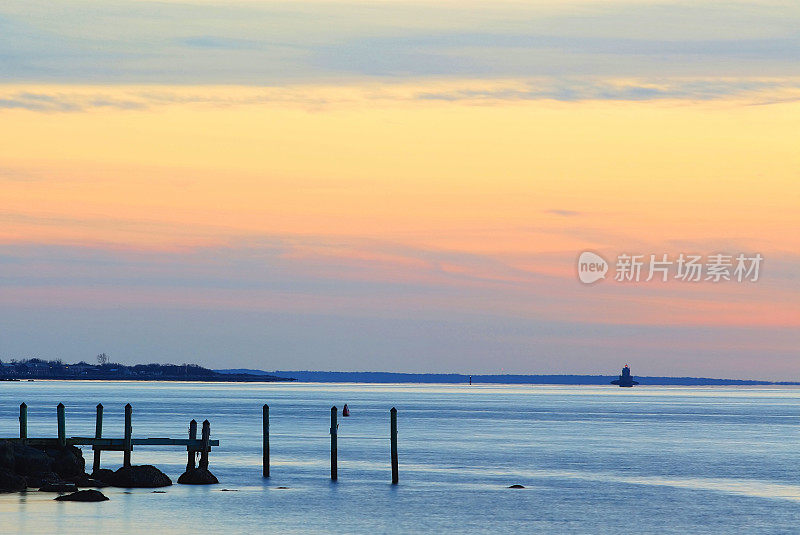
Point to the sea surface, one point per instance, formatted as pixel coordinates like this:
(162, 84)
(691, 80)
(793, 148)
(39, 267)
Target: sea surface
(592, 459)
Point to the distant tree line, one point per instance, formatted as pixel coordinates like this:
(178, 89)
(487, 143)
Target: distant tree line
(36, 367)
(105, 369)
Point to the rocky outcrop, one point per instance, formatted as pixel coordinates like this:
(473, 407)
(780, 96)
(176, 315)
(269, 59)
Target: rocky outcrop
(197, 476)
(38, 467)
(67, 462)
(6, 456)
(83, 496)
(11, 482)
(62, 470)
(29, 461)
(143, 476)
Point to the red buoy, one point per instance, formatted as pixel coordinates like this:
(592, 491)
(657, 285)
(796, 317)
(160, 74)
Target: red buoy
(346, 410)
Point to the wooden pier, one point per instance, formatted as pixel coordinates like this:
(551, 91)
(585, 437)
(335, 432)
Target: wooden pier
(125, 444)
(193, 445)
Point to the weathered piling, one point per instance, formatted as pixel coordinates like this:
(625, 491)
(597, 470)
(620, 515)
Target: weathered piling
(265, 437)
(393, 439)
(98, 433)
(62, 425)
(334, 448)
(191, 451)
(23, 422)
(126, 444)
(206, 437)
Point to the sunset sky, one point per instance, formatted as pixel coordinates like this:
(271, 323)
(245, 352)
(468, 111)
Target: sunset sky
(398, 186)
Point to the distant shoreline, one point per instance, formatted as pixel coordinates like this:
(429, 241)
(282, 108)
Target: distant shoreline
(104, 370)
(215, 379)
(645, 381)
(453, 378)
(56, 370)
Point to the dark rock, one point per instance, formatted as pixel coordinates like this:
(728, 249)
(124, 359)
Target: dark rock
(41, 479)
(197, 476)
(29, 461)
(6, 455)
(83, 496)
(58, 487)
(516, 487)
(68, 462)
(103, 474)
(11, 482)
(143, 476)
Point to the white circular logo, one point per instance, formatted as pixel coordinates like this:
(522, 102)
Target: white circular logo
(591, 267)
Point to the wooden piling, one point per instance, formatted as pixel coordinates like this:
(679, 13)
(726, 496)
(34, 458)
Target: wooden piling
(334, 446)
(206, 437)
(126, 446)
(62, 425)
(393, 438)
(191, 451)
(98, 433)
(265, 437)
(23, 422)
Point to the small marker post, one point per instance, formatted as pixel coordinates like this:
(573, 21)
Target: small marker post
(62, 425)
(206, 438)
(265, 439)
(190, 449)
(23, 422)
(98, 433)
(126, 451)
(334, 447)
(393, 439)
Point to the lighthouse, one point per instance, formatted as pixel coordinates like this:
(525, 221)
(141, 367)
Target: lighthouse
(626, 379)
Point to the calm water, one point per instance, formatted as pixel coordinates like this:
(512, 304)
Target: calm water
(593, 459)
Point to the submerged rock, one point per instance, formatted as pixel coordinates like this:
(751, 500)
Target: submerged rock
(83, 496)
(41, 479)
(143, 476)
(84, 481)
(198, 476)
(58, 487)
(11, 482)
(516, 487)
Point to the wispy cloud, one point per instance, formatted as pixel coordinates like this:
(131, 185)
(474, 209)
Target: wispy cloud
(80, 99)
(565, 213)
(571, 90)
(276, 43)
